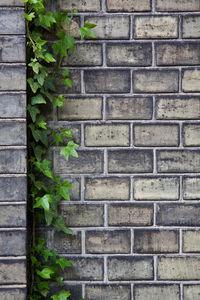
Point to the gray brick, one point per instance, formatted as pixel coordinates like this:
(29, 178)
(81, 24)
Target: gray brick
(134, 54)
(12, 242)
(13, 188)
(131, 108)
(75, 76)
(191, 26)
(130, 161)
(156, 292)
(12, 216)
(128, 5)
(12, 133)
(191, 188)
(13, 161)
(65, 244)
(191, 241)
(12, 106)
(191, 292)
(107, 81)
(74, 289)
(13, 293)
(181, 5)
(178, 214)
(88, 5)
(12, 49)
(130, 268)
(191, 80)
(12, 271)
(11, 3)
(12, 22)
(111, 292)
(16, 75)
(75, 131)
(191, 134)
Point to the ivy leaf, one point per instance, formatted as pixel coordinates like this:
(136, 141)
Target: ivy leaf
(43, 288)
(49, 215)
(38, 99)
(58, 102)
(49, 58)
(68, 82)
(33, 85)
(84, 31)
(59, 225)
(47, 19)
(63, 295)
(38, 151)
(65, 73)
(57, 138)
(69, 150)
(66, 132)
(35, 132)
(30, 16)
(41, 77)
(63, 190)
(42, 124)
(62, 262)
(45, 273)
(33, 111)
(43, 202)
(89, 25)
(44, 167)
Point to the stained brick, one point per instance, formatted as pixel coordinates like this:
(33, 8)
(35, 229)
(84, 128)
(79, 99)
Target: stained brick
(12, 105)
(191, 292)
(12, 271)
(13, 188)
(191, 241)
(16, 75)
(156, 292)
(181, 5)
(128, 5)
(88, 5)
(191, 188)
(13, 293)
(111, 292)
(75, 76)
(12, 161)
(65, 244)
(15, 218)
(191, 26)
(12, 133)
(12, 243)
(12, 21)
(12, 49)
(191, 134)
(191, 81)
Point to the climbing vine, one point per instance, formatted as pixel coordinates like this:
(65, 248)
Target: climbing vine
(45, 189)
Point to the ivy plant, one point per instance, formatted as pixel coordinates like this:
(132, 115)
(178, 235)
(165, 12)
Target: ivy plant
(45, 189)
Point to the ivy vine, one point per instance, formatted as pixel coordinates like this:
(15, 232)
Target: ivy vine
(45, 189)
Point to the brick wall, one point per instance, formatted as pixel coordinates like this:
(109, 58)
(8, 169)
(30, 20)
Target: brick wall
(12, 151)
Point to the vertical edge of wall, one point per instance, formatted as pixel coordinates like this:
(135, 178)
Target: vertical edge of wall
(13, 151)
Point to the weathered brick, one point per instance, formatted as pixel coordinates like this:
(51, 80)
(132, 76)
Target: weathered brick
(134, 54)
(13, 293)
(12, 105)
(180, 5)
(131, 108)
(117, 241)
(107, 135)
(12, 133)
(152, 27)
(16, 75)
(191, 26)
(63, 243)
(156, 292)
(178, 268)
(107, 81)
(191, 135)
(156, 135)
(178, 161)
(12, 271)
(178, 214)
(15, 218)
(178, 53)
(110, 188)
(81, 109)
(74, 289)
(75, 76)
(111, 292)
(85, 55)
(13, 188)
(130, 161)
(114, 27)
(88, 5)
(130, 268)
(12, 243)
(180, 108)
(128, 5)
(155, 81)
(12, 49)
(84, 269)
(82, 215)
(75, 192)
(12, 21)
(130, 215)
(156, 241)
(87, 162)
(191, 241)
(191, 188)
(13, 161)
(191, 81)
(191, 292)
(74, 128)
(156, 188)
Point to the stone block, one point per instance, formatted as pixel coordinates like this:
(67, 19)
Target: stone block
(12, 21)
(12, 161)
(12, 133)
(13, 188)
(12, 272)
(12, 49)
(128, 5)
(13, 216)
(191, 81)
(191, 26)
(12, 243)
(156, 291)
(12, 106)
(88, 5)
(191, 241)
(181, 5)
(14, 74)
(191, 188)
(111, 292)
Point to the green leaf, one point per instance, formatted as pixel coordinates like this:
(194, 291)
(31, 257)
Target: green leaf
(45, 273)
(89, 25)
(33, 111)
(49, 58)
(39, 152)
(63, 295)
(42, 124)
(33, 85)
(69, 150)
(63, 190)
(43, 202)
(58, 102)
(84, 31)
(59, 225)
(65, 73)
(68, 82)
(44, 167)
(62, 262)
(38, 99)
(30, 16)
(57, 138)
(66, 132)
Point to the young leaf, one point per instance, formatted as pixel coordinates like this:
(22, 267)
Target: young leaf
(33, 111)
(62, 262)
(30, 16)
(45, 273)
(49, 58)
(43, 202)
(38, 99)
(63, 295)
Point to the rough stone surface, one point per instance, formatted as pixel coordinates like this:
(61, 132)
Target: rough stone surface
(111, 292)
(180, 5)
(191, 188)
(128, 5)
(156, 292)
(12, 271)
(191, 26)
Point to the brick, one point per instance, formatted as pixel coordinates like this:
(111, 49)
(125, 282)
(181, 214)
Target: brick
(87, 162)
(180, 108)
(66, 244)
(156, 241)
(85, 55)
(12, 105)
(178, 268)
(12, 161)
(191, 188)
(12, 293)
(12, 133)
(12, 271)
(156, 292)
(111, 292)
(130, 161)
(12, 243)
(156, 135)
(132, 108)
(130, 215)
(178, 214)
(178, 53)
(155, 81)
(191, 135)
(156, 27)
(82, 215)
(75, 76)
(117, 241)
(107, 135)
(191, 81)
(156, 188)
(191, 241)
(75, 192)
(191, 292)
(114, 188)
(15, 218)
(81, 109)
(11, 3)
(128, 5)
(12, 21)
(181, 5)
(13, 189)
(84, 269)
(74, 289)
(107, 81)
(178, 161)
(131, 54)
(191, 26)
(12, 49)
(88, 5)
(114, 27)
(16, 75)
(75, 131)
(130, 268)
